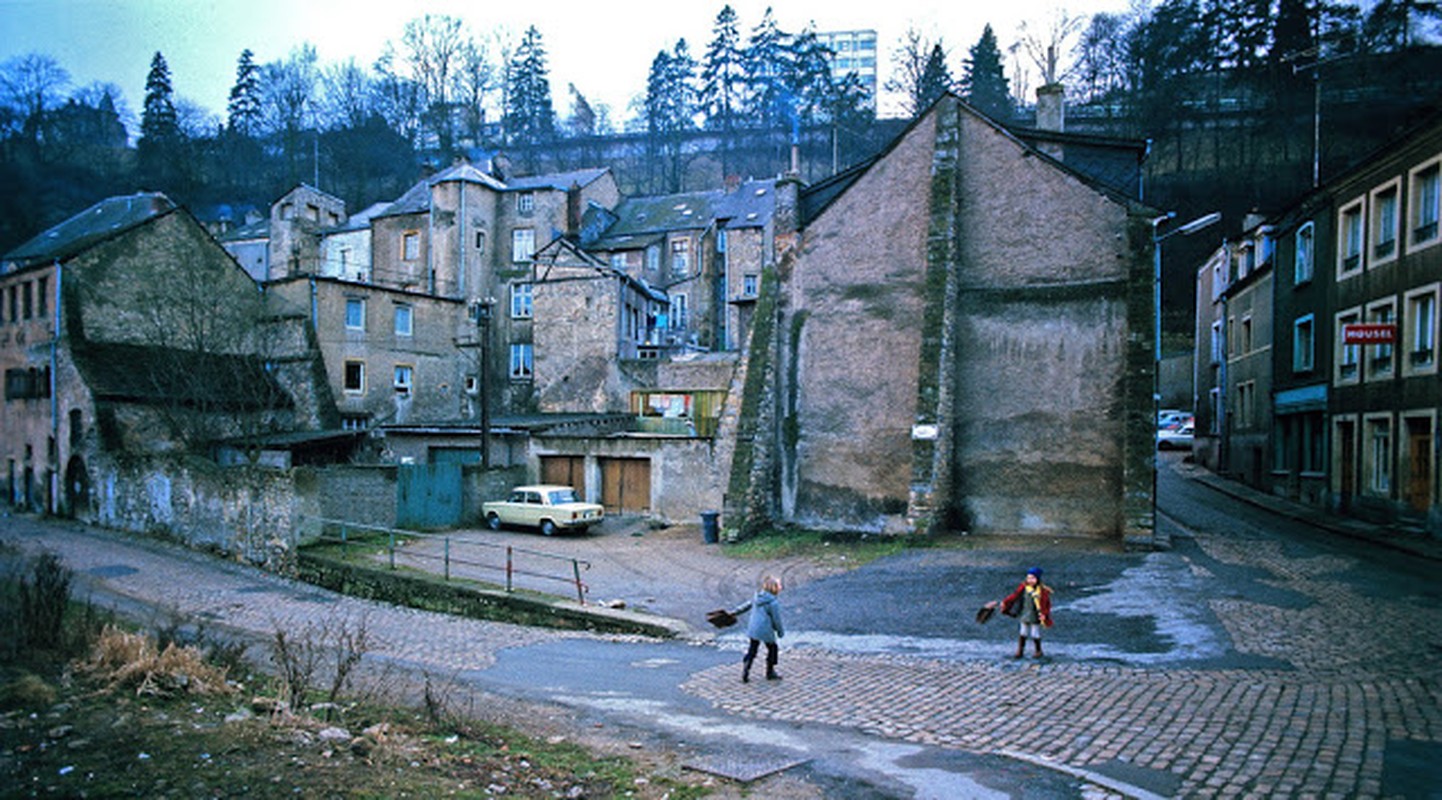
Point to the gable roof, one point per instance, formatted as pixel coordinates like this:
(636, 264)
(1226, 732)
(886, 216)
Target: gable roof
(106, 219)
(643, 220)
(560, 181)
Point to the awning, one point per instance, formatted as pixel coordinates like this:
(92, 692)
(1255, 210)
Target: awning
(1303, 398)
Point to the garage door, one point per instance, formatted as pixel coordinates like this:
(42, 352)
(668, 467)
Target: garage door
(566, 471)
(626, 484)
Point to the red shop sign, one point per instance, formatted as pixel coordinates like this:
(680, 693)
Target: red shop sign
(1369, 333)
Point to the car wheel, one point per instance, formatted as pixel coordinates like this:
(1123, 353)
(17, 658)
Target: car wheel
(493, 521)
(548, 528)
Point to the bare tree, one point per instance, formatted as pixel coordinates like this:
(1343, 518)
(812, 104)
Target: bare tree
(910, 79)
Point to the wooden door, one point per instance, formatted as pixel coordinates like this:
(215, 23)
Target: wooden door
(1346, 464)
(1418, 488)
(566, 471)
(626, 485)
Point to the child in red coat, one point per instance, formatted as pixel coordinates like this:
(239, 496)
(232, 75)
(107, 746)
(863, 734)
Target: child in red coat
(1031, 605)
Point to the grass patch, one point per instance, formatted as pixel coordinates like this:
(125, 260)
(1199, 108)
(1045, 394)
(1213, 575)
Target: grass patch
(106, 711)
(826, 547)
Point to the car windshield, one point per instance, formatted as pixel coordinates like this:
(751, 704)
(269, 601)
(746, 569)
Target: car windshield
(560, 496)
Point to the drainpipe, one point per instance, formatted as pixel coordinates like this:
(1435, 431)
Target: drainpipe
(54, 400)
(461, 243)
(314, 305)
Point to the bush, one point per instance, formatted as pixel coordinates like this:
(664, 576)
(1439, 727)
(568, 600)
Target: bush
(44, 597)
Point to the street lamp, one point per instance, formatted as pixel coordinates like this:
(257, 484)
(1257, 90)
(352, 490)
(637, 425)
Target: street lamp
(481, 310)
(1188, 229)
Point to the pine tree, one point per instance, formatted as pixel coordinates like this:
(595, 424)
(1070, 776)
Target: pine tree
(157, 150)
(244, 106)
(529, 118)
(935, 80)
(722, 74)
(670, 109)
(766, 68)
(984, 83)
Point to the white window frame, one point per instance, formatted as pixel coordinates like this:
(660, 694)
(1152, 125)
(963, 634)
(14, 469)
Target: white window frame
(1383, 231)
(522, 301)
(360, 388)
(525, 202)
(680, 257)
(1304, 358)
(1351, 230)
(1424, 201)
(680, 311)
(1304, 254)
(1419, 335)
(1380, 360)
(355, 322)
(750, 284)
(1346, 355)
(405, 319)
(522, 362)
(404, 378)
(411, 246)
(523, 245)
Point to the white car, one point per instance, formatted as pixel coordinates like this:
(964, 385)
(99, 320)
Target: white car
(1175, 439)
(545, 506)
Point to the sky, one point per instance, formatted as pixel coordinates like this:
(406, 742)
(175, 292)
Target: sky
(604, 48)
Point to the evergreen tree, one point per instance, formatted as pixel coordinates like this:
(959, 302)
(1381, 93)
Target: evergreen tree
(810, 77)
(583, 117)
(670, 111)
(766, 67)
(722, 75)
(983, 82)
(244, 106)
(529, 118)
(935, 80)
(159, 143)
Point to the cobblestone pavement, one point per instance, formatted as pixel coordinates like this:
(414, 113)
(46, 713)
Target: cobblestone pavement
(1328, 677)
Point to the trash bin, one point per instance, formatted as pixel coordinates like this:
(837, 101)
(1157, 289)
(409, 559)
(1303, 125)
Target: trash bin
(710, 527)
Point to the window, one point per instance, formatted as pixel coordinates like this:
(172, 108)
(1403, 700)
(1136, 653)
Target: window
(1420, 331)
(1349, 356)
(27, 299)
(1426, 198)
(42, 296)
(355, 376)
(480, 241)
(410, 245)
(1377, 459)
(680, 316)
(521, 302)
(1302, 256)
(1217, 342)
(525, 202)
(354, 422)
(14, 304)
(1246, 334)
(681, 258)
(1246, 397)
(403, 320)
(1349, 240)
(653, 258)
(355, 313)
(1304, 344)
(749, 285)
(523, 244)
(1384, 223)
(1379, 362)
(618, 261)
(521, 362)
(403, 373)
(1231, 336)
(721, 240)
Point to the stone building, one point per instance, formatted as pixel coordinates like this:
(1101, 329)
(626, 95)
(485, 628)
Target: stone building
(961, 339)
(126, 329)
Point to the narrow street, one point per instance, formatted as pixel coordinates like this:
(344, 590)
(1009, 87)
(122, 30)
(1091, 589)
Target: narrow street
(1257, 657)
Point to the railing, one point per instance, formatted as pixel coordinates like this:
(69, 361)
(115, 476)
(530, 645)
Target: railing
(505, 560)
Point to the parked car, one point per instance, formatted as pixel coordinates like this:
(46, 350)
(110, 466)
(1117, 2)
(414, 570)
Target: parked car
(1176, 439)
(548, 507)
(1172, 420)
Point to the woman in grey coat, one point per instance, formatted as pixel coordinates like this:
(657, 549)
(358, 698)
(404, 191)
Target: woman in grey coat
(763, 626)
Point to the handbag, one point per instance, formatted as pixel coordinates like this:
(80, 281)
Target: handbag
(721, 618)
(985, 613)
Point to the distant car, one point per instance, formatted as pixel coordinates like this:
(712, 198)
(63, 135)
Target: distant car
(548, 507)
(1172, 420)
(1178, 439)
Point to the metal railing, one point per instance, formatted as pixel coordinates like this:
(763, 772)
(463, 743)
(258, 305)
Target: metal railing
(509, 560)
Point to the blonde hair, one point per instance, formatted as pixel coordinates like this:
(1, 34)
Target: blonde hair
(771, 584)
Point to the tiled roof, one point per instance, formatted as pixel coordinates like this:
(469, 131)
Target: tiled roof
(153, 375)
(560, 181)
(101, 221)
(641, 219)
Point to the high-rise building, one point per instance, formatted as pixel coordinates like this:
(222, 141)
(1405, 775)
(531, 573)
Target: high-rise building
(854, 51)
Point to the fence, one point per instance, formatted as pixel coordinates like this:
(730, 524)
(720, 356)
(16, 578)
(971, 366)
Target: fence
(467, 553)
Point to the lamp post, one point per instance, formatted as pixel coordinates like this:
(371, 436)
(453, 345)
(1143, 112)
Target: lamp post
(481, 309)
(1158, 237)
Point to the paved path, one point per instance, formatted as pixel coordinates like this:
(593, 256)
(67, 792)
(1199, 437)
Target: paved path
(1239, 664)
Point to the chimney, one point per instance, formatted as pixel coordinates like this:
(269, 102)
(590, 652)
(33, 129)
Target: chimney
(1051, 107)
(573, 211)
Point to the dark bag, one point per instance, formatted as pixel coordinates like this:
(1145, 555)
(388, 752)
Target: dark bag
(985, 613)
(721, 618)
